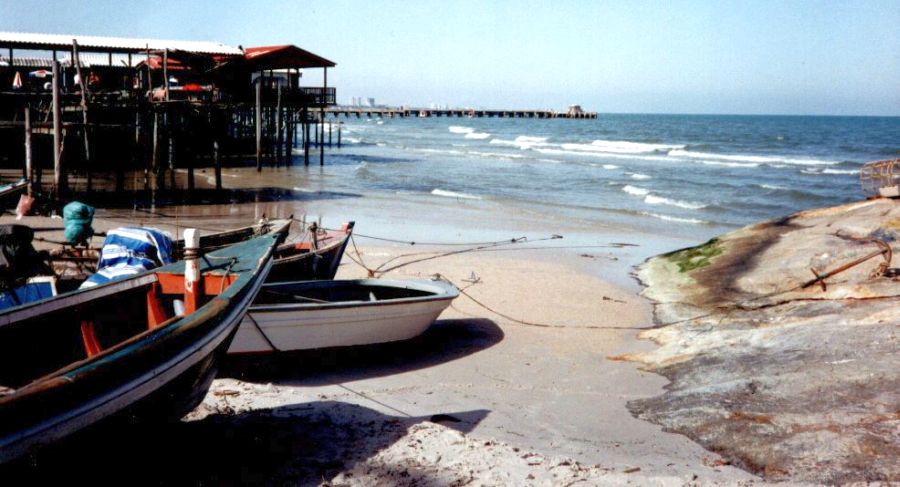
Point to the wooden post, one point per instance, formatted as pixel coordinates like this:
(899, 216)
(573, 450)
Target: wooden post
(59, 177)
(305, 136)
(278, 138)
(154, 155)
(330, 130)
(193, 285)
(170, 137)
(259, 123)
(340, 124)
(322, 115)
(29, 170)
(217, 125)
(166, 72)
(84, 111)
(290, 135)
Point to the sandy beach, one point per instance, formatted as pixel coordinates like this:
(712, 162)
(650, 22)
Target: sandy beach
(513, 385)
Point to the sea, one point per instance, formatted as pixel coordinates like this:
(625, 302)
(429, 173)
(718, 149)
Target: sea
(691, 176)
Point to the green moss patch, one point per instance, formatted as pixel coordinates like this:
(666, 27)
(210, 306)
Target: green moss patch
(695, 257)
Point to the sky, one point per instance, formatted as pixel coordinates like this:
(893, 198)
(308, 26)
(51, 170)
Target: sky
(724, 57)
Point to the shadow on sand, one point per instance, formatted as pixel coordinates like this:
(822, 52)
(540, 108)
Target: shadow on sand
(299, 444)
(444, 341)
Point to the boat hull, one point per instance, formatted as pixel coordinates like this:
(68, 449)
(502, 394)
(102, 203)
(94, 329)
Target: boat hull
(159, 377)
(305, 326)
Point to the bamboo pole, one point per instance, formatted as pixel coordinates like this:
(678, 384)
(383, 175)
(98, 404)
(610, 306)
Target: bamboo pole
(59, 178)
(29, 170)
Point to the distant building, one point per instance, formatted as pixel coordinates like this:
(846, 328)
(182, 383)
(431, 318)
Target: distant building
(370, 102)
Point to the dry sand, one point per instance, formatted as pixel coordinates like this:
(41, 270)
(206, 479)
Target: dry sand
(479, 399)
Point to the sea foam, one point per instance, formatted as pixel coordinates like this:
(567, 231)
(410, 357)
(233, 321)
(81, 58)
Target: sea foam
(456, 129)
(453, 194)
(751, 158)
(693, 221)
(635, 190)
(651, 199)
(477, 135)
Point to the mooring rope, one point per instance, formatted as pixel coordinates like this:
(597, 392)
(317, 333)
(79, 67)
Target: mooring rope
(462, 290)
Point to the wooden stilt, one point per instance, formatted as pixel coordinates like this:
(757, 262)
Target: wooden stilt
(259, 124)
(322, 114)
(29, 170)
(84, 112)
(59, 177)
(340, 124)
(278, 137)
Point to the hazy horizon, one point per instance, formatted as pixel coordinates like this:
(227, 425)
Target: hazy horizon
(690, 57)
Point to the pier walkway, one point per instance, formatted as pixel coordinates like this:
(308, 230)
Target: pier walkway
(392, 112)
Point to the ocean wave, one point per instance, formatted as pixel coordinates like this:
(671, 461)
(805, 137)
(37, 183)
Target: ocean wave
(456, 129)
(750, 158)
(771, 186)
(500, 155)
(635, 190)
(639, 176)
(829, 171)
(660, 200)
(551, 161)
(621, 147)
(453, 194)
(522, 142)
(610, 166)
(600, 155)
(441, 151)
(693, 221)
(477, 135)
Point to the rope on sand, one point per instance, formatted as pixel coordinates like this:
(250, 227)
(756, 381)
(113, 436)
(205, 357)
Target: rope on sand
(462, 290)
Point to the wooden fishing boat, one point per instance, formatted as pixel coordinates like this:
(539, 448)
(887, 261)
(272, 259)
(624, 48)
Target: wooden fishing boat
(119, 348)
(75, 264)
(317, 257)
(322, 314)
(13, 188)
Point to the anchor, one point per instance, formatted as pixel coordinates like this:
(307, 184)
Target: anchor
(884, 250)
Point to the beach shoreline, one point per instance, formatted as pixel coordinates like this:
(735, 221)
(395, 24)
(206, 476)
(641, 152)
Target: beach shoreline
(545, 390)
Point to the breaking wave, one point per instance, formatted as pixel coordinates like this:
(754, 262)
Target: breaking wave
(668, 218)
(659, 200)
(456, 129)
(635, 190)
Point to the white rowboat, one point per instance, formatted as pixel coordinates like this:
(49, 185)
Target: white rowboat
(321, 314)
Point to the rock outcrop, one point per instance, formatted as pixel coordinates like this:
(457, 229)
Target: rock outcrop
(787, 381)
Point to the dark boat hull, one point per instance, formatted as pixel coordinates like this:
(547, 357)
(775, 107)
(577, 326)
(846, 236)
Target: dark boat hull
(313, 265)
(160, 376)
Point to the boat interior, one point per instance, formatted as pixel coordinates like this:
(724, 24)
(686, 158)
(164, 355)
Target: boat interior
(332, 292)
(41, 338)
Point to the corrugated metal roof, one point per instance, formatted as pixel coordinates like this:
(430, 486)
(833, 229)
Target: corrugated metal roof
(27, 40)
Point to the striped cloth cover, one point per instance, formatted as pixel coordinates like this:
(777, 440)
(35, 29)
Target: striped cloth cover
(131, 250)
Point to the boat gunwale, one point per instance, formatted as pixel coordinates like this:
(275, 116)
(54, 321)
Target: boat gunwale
(446, 292)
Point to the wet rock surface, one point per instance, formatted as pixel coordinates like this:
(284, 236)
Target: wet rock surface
(786, 381)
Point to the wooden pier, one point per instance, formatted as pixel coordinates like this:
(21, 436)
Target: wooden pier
(404, 112)
(97, 105)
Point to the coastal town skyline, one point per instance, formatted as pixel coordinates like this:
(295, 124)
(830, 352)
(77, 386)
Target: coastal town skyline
(639, 57)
